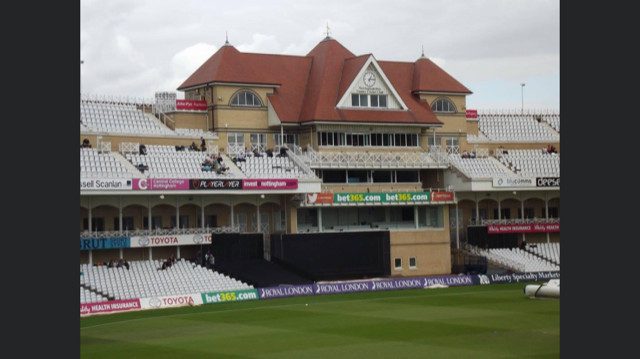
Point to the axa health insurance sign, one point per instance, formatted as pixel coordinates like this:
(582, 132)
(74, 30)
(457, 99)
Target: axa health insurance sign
(524, 228)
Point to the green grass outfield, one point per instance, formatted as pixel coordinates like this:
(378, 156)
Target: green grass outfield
(490, 321)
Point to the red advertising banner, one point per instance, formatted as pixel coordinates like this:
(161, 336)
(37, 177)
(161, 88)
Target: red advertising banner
(442, 196)
(472, 113)
(110, 306)
(524, 228)
(270, 184)
(191, 105)
(320, 198)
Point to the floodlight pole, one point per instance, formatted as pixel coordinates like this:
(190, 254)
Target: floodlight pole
(522, 97)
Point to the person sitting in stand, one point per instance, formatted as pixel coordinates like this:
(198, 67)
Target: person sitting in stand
(207, 165)
(86, 143)
(126, 264)
(203, 147)
(283, 152)
(142, 149)
(473, 154)
(241, 157)
(256, 153)
(247, 152)
(269, 153)
(465, 154)
(193, 146)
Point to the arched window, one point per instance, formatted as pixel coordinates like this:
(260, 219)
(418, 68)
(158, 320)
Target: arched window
(443, 105)
(246, 99)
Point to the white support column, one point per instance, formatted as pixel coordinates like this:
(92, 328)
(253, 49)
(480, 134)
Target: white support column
(121, 253)
(320, 219)
(258, 220)
(89, 221)
(178, 254)
(286, 215)
(177, 213)
(120, 215)
(546, 213)
(233, 220)
(415, 216)
(457, 227)
(150, 254)
(499, 209)
(202, 212)
(477, 209)
(524, 235)
(90, 257)
(149, 222)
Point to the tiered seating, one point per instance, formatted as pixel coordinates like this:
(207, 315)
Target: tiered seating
(515, 128)
(144, 280)
(552, 120)
(194, 132)
(270, 167)
(550, 251)
(532, 162)
(485, 167)
(101, 165)
(518, 259)
(87, 296)
(167, 162)
(119, 118)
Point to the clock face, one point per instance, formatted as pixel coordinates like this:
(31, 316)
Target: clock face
(369, 78)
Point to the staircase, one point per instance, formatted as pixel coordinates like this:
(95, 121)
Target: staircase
(541, 257)
(233, 169)
(91, 289)
(135, 173)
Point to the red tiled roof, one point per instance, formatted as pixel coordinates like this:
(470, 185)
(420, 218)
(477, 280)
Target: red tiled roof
(430, 77)
(309, 87)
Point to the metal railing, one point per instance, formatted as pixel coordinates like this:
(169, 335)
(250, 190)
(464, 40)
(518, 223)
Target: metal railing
(485, 222)
(367, 159)
(159, 232)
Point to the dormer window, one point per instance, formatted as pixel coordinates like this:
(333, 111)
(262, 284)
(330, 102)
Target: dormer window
(443, 105)
(246, 99)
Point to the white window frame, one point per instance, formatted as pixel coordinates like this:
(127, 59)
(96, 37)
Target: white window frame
(395, 267)
(415, 263)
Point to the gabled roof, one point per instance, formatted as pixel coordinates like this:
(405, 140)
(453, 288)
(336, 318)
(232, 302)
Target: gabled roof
(431, 78)
(308, 88)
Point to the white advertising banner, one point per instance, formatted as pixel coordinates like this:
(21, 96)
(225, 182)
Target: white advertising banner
(105, 184)
(165, 240)
(171, 301)
(514, 182)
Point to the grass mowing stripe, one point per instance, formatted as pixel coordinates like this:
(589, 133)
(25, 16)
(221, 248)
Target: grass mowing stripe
(272, 306)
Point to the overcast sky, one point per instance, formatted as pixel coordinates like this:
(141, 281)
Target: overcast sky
(139, 47)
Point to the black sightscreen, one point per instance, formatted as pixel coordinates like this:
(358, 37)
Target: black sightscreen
(331, 256)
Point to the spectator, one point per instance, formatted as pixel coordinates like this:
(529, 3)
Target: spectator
(283, 152)
(241, 157)
(465, 154)
(126, 264)
(142, 149)
(86, 143)
(256, 153)
(203, 147)
(193, 147)
(269, 153)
